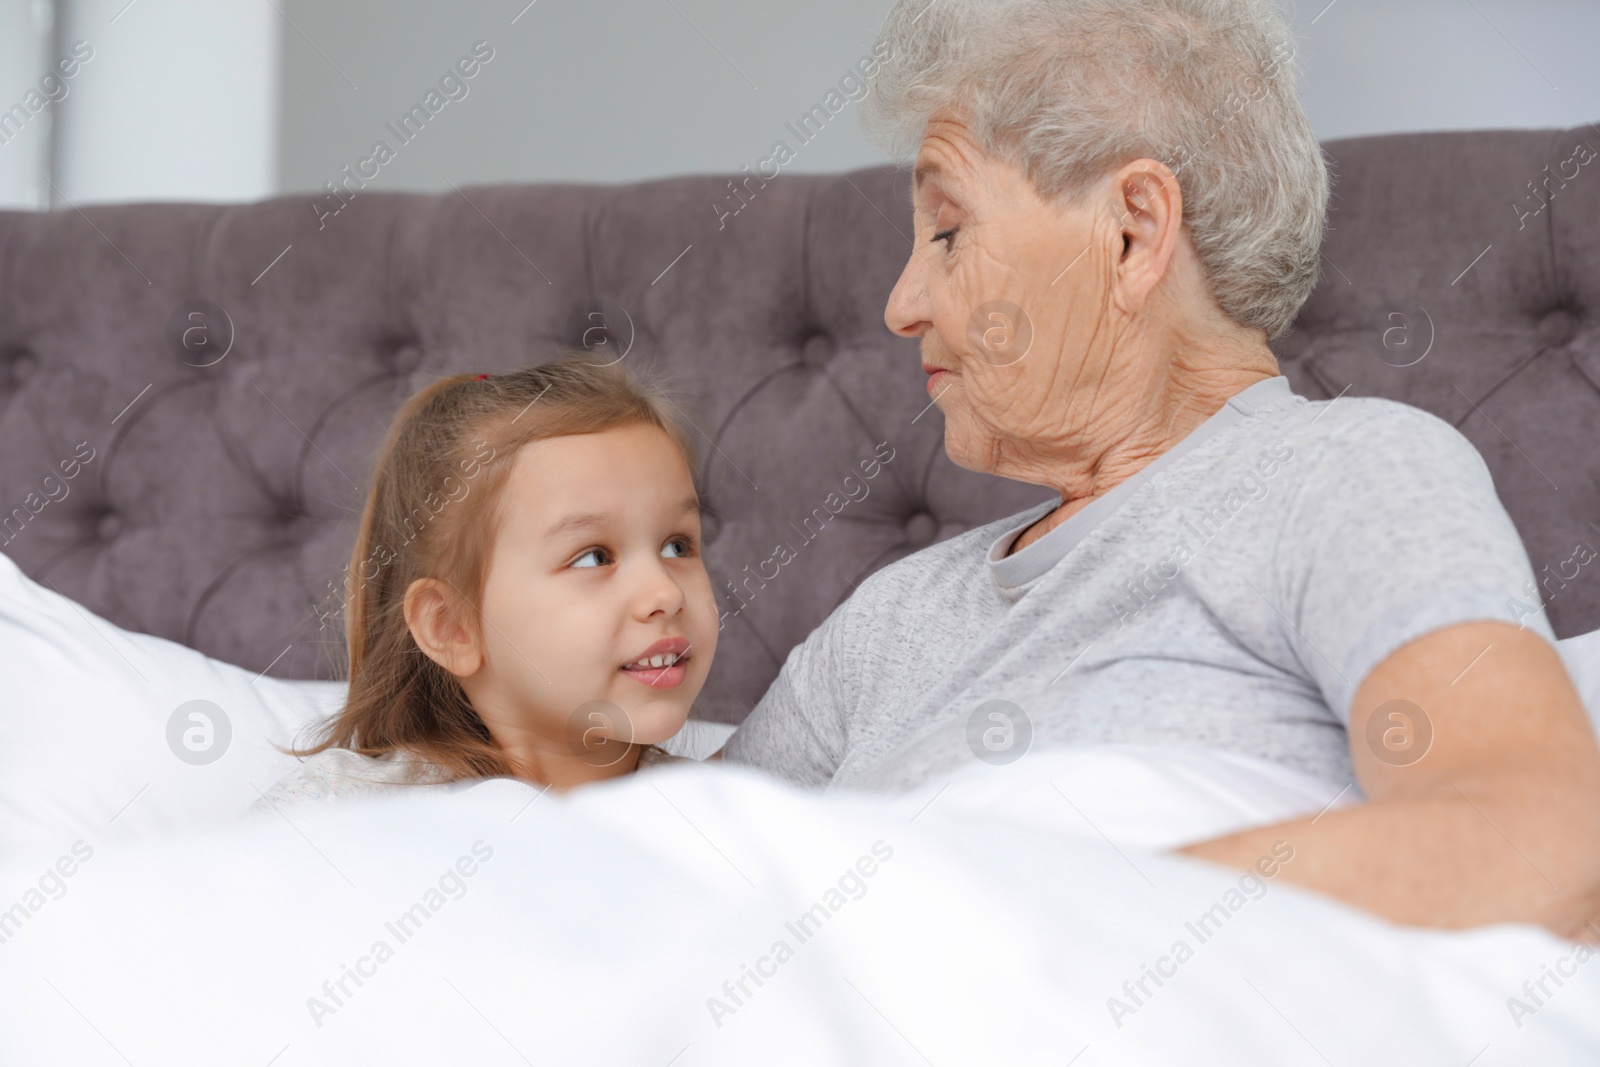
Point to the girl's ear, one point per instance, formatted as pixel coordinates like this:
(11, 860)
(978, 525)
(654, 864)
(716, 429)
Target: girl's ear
(434, 618)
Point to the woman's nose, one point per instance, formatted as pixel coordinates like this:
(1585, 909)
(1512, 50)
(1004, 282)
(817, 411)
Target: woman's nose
(906, 313)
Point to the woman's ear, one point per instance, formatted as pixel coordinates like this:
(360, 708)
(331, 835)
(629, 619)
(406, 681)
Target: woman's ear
(1149, 206)
(434, 615)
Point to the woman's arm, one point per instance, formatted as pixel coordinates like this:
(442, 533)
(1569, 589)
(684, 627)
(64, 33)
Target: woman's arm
(1499, 818)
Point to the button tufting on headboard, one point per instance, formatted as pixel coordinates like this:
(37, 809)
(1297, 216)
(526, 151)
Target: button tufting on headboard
(817, 349)
(18, 365)
(295, 530)
(401, 355)
(920, 529)
(108, 527)
(244, 480)
(1557, 327)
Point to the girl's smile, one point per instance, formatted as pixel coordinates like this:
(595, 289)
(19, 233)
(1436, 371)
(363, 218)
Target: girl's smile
(664, 665)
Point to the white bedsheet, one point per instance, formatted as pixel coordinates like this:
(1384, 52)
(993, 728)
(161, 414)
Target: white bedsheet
(608, 925)
(1156, 797)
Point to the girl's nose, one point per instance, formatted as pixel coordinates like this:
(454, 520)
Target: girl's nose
(659, 592)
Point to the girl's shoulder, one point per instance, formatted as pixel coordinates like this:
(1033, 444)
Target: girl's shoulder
(339, 773)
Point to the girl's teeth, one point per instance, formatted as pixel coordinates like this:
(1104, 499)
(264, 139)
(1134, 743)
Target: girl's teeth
(665, 660)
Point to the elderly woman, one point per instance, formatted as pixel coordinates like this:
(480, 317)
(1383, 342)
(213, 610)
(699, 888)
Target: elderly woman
(1117, 204)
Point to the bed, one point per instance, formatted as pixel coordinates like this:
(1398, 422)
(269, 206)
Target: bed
(190, 398)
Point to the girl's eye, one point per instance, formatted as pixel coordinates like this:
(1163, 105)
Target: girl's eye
(947, 236)
(593, 552)
(686, 541)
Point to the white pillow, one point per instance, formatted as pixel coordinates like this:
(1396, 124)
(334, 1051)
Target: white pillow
(99, 739)
(103, 736)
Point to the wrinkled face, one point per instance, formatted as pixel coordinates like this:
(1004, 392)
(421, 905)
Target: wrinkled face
(1008, 295)
(595, 564)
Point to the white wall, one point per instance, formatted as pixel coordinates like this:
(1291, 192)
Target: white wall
(180, 101)
(1389, 66)
(608, 91)
(633, 89)
(26, 110)
(242, 99)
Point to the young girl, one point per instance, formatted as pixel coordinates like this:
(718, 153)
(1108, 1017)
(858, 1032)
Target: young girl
(526, 596)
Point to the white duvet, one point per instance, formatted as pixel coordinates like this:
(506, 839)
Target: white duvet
(710, 915)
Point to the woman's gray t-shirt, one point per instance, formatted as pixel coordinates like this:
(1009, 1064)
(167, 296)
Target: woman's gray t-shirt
(1231, 595)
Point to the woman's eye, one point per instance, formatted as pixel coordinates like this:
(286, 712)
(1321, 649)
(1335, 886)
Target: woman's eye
(947, 236)
(687, 543)
(591, 553)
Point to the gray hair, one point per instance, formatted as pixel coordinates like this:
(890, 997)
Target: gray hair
(1068, 90)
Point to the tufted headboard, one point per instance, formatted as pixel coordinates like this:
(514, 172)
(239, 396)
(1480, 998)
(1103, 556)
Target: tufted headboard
(191, 395)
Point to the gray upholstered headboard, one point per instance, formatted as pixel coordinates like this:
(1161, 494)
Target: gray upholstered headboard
(219, 503)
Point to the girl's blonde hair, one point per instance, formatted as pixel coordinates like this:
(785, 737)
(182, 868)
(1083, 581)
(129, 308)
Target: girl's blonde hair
(431, 513)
